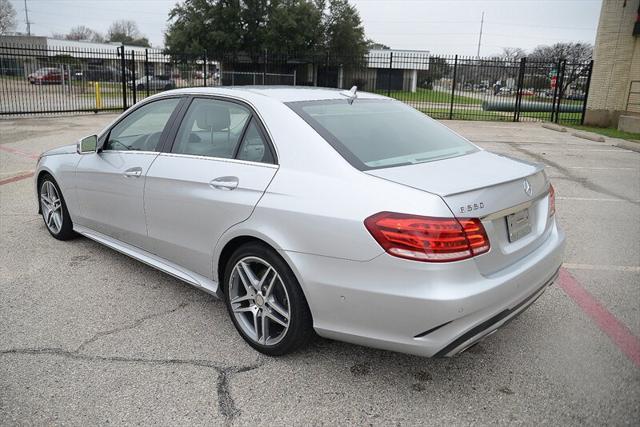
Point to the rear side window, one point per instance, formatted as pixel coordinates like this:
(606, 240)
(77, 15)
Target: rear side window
(211, 128)
(373, 134)
(254, 148)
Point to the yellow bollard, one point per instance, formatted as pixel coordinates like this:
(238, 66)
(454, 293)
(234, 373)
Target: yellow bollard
(98, 96)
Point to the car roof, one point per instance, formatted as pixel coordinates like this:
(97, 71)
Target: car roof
(280, 93)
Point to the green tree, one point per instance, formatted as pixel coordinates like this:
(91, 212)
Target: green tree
(343, 30)
(199, 25)
(255, 25)
(294, 26)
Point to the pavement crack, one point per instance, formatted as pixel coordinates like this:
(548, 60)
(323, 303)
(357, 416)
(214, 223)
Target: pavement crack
(133, 325)
(571, 176)
(88, 357)
(226, 403)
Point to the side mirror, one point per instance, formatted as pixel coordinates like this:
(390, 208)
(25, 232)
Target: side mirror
(88, 144)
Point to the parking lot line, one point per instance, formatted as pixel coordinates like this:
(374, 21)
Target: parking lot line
(16, 178)
(596, 199)
(627, 268)
(622, 337)
(19, 152)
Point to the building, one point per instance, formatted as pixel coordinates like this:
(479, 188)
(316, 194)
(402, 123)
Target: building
(25, 54)
(614, 94)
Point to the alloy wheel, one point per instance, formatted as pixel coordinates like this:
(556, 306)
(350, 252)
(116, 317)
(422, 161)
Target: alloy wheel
(51, 205)
(259, 301)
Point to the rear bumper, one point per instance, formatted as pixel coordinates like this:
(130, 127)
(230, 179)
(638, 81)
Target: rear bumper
(421, 308)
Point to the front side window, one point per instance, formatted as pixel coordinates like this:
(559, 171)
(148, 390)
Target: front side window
(373, 134)
(211, 128)
(141, 130)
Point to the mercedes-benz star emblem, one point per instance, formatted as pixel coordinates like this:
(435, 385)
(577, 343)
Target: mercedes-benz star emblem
(527, 188)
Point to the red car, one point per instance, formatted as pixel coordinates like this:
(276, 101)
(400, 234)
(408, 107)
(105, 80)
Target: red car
(47, 75)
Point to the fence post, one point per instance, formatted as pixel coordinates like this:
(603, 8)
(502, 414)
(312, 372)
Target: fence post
(204, 75)
(146, 69)
(586, 93)
(264, 72)
(453, 86)
(133, 76)
(560, 88)
(516, 110)
(326, 70)
(123, 77)
(389, 76)
(555, 92)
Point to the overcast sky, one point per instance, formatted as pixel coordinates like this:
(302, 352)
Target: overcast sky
(439, 26)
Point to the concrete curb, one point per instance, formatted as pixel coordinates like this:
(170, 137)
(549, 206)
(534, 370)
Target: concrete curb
(555, 127)
(589, 136)
(633, 146)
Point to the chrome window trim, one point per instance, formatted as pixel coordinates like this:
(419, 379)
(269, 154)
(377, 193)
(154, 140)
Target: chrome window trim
(129, 152)
(221, 159)
(104, 133)
(252, 107)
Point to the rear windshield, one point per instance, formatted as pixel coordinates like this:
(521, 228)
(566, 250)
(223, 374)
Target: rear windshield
(373, 134)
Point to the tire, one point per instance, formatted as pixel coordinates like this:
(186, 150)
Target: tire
(279, 293)
(140, 86)
(54, 209)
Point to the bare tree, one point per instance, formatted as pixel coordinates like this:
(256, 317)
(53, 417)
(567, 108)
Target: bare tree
(572, 52)
(577, 56)
(82, 33)
(513, 54)
(7, 17)
(126, 32)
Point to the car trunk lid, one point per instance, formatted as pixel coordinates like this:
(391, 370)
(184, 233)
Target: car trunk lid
(490, 187)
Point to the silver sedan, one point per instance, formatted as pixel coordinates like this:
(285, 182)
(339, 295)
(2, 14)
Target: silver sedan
(345, 214)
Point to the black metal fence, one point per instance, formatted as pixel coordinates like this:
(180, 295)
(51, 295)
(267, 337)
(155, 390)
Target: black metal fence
(37, 80)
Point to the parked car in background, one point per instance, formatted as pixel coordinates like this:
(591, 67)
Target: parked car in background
(47, 75)
(349, 214)
(160, 82)
(576, 96)
(98, 73)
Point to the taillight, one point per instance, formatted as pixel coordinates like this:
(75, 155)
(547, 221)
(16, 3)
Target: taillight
(429, 239)
(552, 200)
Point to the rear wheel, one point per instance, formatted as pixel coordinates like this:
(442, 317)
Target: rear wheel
(54, 210)
(265, 301)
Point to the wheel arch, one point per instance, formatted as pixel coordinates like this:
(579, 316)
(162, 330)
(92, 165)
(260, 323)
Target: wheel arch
(233, 240)
(41, 174)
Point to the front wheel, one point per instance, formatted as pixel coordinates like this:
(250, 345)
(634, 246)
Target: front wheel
(265, 301)
(54, 210)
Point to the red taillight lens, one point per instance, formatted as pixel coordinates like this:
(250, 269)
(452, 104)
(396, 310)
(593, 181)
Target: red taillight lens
(425, 238)
(552, 200)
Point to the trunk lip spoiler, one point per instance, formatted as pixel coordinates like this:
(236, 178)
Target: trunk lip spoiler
(516, 208)
(539, 169)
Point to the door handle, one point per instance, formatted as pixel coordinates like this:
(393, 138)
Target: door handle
(225, 183)
(133, 172)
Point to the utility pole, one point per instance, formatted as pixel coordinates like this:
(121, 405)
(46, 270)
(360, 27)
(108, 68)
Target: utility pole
(480, 37)
(26, 14)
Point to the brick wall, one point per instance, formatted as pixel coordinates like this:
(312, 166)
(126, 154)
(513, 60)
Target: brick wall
(616, 63)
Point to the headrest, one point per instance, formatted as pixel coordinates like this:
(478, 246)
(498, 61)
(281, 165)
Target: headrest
(212, 117)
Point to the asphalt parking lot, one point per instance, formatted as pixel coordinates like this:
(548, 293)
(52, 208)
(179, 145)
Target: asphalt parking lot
(89, 336)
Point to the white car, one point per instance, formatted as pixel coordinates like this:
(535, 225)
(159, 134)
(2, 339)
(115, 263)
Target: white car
(344, 213)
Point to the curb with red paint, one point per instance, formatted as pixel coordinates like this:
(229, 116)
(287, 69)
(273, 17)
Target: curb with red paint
(618, 332)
